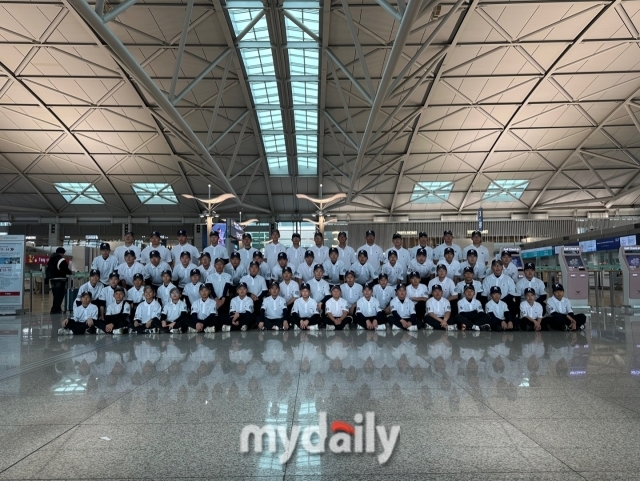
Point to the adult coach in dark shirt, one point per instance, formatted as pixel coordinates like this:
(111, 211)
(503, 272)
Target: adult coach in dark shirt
(57, 272)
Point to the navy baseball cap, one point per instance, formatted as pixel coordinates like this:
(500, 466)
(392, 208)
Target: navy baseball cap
(392, 252)
(422, 234)
(130, 252)
(246, 235)
(447, 232)
(436, 287)
(421, 252)
(306, 286)
(242, 284)
(529, 290)
(118, 289)
(557, 287)
(114, 275)
(282, 255)
(194, 272)
(182, 232)
(214, 233)
(468, 269)
(204, 254)
(94, 272)
(530, 265)
(382, 275)
(138, 276)
(204, 286)
(166, 271)
(287, 269)
(254, 264)
(449, 250)
(309, 254)
(334, 287)
(469, 287)
(349, 273)
(367, 285)
(495, 290)
(472, 252)
(441, 266)
(370, 232)
(185, 253)
(219, 259)
(154, 254)
(414, 274)
(475, 233)
(258, 254)
(397, 235)
(363, 252)
(105, 246)
(334, 250)
(86, 293)
(318, 266)
(505, 253)
(342, 233)
(400, 286)
(155, 233)
(235, 255)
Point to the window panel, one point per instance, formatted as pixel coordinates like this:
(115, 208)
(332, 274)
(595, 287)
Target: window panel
(431, 192)
(79, 192)
(505, 190)
(155, 193)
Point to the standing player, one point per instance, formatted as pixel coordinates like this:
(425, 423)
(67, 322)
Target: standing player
(346, 253)
(106, 263)
(120, 251)
(183, 246)
(481, 251)
(447, 238)
(272, 249)
(156, 246)
(215, 249)
(423, 243)
(375, 256)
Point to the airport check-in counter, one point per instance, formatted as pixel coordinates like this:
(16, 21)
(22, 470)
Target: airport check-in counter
(575, 276)
(630, 266)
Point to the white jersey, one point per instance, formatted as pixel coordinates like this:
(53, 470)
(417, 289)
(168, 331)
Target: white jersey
(347, 255)
(479, 270)
(289, 291)
(476, 284)
(561, 307)
(364, 272)
(320, 254)
(414, 292)
(241, 306)
(105, 266)
(304, 272)
(453, 268)
(512, 271)
(135, 295)
(319, 289)
(403, 256)
(384, 296)
(439, 308)
(351, 294)
(271, 252)
(483, 254)
(276, 272)
(147, 311)
(305, 309)
(448, 287)
(413, 252)
(255, 285)
(469, 306)
(94, 290)
(181, 274)
(295, 256)
(274, 308)
(127, 272)
(164, 293)
(192, 291)
(236, 273)
(205, 272)
(426, 269)
(498, 309)
(527, 310)
(438, 252)
(376, 256)
(216, 252)
(506, 284)
(368, 308)
(114, 308)
(106, 295)
(173, 310)
(405, 309)
(333, 272)
(204, 309)
(219, 282)
(397, 274)
(336, 307)
(83, 314)
(177, 250)
(264, 270)
(246, 256)
(155, 272)
(535, 283)
(120, 250)
(165, 254)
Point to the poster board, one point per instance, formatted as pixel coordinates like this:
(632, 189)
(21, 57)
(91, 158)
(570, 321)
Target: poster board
(11, 273)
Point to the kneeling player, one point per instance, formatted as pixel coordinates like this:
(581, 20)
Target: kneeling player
(369, 315)
(337, 311)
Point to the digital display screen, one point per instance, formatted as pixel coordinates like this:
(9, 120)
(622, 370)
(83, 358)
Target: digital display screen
(517, 261)
(574, 261)
(628, 240)
(633, 261)
(588, 246)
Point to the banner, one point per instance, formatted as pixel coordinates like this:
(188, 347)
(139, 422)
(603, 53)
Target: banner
(11, 273)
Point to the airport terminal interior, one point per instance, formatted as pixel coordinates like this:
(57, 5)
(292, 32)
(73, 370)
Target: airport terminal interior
(320, 239)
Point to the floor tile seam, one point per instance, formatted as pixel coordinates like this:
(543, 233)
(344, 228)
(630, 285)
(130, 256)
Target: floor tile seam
(295, 400)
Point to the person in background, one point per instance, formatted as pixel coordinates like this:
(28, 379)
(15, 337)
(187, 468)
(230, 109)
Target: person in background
(423, 265)
(320, 251)
(560, 313)
(351, 291)
(295, 253)
(156, 246)
(241, 315)
(304, 271)
(375, 255)
(274, 314)
(256, 285)
(265, 271)
(479, 269)
(363, 270)
(384, 293)
(182, 270)
(402, 254)
(206, 266)
(129, 268)
(482, 252)
(447, 238)
(57, 272)
(116, 318)
(215, 249)
(508, 267)
(334, 268)
(530, 280)
(530, 312)
(439, 311)
(94, 286)
(273, 248)
(154, 268)
(183, 246)
(423, 243)
(236, 270)
(106, 263)
(220, 286)
(453, 266)
(345, 253)
(304, 313)
(84, 317)
(121, 251)
(403, 311)
(369, 314)
(164, 291)
(246, 252)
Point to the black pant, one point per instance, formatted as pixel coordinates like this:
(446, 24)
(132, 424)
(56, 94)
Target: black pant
(339, 327)
(58, 288)
(117, 320)
(395, 320)
(212, 320)
(380, 317)
(313, 320)
(470, 319)
(271, 323)
(435, 323)
(454, 307)
(246, 319)
(421, 309)
(155, 322)
(513, 303)
(78, 327)
(496, 324)
(560, 322)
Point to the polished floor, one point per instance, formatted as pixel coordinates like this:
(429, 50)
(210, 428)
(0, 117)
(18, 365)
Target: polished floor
(489, 406)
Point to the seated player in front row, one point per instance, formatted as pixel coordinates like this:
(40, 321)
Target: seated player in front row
(304, 313)
(337, 311)
(241, 316)
(116, 318)
(84, 317)
(147, 315)
(204, 313)
(350, 291)
(470, 312)
(369, 315)
(289, 289)
(384, 293)
(498, 311)
(438, 311)
(174, 317)
(273, 313)
(560, 314)
(418, 293)
(530, 311)
(403, 312)
(530, 280)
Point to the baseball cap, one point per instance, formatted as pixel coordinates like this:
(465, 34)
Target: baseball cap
(342, 233)
(505, 253)
(469, 287)
(363, 252)
(234, 255)
(215, 233)
(318, 266)
(194, 272)
(86, 293)
(495, 290)
(468, 269)
(114, 274)
(529, 290)
(246, 235)
(334, 250)
(368, 285)
(557, 287)
(242, 284)
(436, 287)
(475, 233)
(154, 254)
(400, 286)
(204, 254)
(309, 254)
(282, 255)
(258, 254)
(138, 276)
(254, 263)
(155, 233)
(118, 289)
(182, 232)
(287, 269)
(449, 250)
(204, 286)
(392, 252)
(422, 234)
(530, 265)
(397, 235)
(306, 286)
(421, 252)
(130, 233)
(334, 287)
(94, 272)
(441, 266)
(414, 274)
(349, 273)
(370, 232)
(130, 252)
(447, 232)
(104, 246)
(219, 259)
(166, 271)
(382, 275)
(185, 253)
(472, 252)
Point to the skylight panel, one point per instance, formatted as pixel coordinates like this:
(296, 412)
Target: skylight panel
(79, 192)
(258, 61)
(270, 119)
(304, 93)
(265, 93)
(304, 61)
(309, 17)
(278, 165)
(505, 190)
(275, 144)
(307, 144)
(240, 19)
(307, 166)
(155, 193)
(431, 192)
(305, 120)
